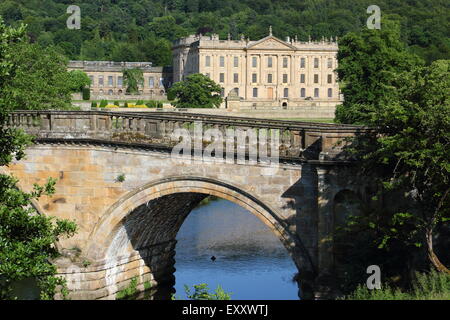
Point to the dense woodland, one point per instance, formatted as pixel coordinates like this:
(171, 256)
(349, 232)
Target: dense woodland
(142, 30)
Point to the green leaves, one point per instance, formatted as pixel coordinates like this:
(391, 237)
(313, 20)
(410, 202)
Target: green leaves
(132, 79)
(27, 238)
(197, 91)
(201, 292)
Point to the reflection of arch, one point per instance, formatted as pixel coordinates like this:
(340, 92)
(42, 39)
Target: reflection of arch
(120, 91)
(113, 219)
(162, 92)
(284, 105)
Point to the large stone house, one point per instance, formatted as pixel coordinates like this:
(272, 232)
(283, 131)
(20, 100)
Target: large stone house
(107, 79)
(268, 73)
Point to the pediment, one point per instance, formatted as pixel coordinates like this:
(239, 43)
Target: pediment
(271, 42)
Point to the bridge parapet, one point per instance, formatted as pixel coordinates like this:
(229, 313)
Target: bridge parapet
(297, 140)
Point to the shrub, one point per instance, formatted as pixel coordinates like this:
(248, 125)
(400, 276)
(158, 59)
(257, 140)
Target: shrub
(103, 103)
(117, 103)
(139, 102)
(427, 286)
(201, 292)
(93, 104)
(151, 104)
(86, 94)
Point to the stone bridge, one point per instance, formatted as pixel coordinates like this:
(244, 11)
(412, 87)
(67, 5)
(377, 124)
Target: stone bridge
(116, 177)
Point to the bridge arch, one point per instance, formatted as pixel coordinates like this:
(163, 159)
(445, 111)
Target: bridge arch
(114, 217)
(136, 235)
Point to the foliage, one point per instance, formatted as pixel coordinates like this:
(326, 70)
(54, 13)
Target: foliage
(142, 30)
(368, 64)
(78, 80)
(103, 103)
(426, 286)
(129, 292)
(86, 92)
(26, 238)
(197, 91)
(407, 153)
(132, 79)
(154, 104)
(40, 81)
(201, 292)
(120, 178)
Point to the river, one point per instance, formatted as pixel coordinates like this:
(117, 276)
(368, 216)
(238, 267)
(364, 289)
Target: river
(251, 262)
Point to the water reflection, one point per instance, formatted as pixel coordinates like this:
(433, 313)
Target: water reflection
(250, 261)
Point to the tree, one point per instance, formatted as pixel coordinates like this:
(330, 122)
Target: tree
(368, 63)
(26, 238)
(132, 79)
(41, 79)
(407, 154)
(78, 80)
(198, 91)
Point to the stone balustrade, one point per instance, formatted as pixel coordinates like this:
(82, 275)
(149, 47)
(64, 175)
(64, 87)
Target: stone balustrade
(297, 140)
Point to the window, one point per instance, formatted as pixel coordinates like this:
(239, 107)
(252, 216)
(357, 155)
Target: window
(207, 61)
(161, 82)
(92, 80)
(255, 92)
(302, 62)
(254, 62)
(269, 62)
(254, 78)
(316, 92)
(316, 62)
(222, 92)
(110, 92)
(236, 77)
(119, 81)
(330, 93)
(222, 62)
(222, 77)
(286, 92)
(302, 92)
(236, 90)
(302, 78)
(236, 62)
(285, 62)
(269, 78)
(316, 78)
(151, 82)
(330, 63)
(100, 80)
(110, 81)
(285, 78)
(330, 78)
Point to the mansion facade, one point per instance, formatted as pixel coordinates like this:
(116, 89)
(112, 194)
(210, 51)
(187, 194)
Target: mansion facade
(107, 79)
(266, 73)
